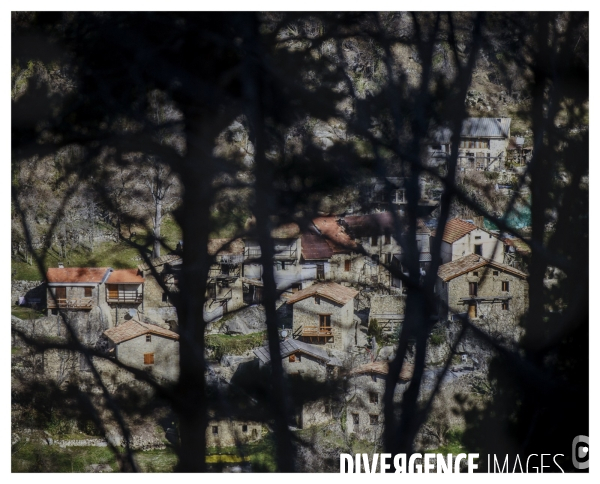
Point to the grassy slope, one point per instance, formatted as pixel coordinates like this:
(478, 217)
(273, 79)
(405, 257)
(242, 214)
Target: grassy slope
(118, 255)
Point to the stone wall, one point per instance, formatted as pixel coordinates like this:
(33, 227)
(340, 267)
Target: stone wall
(165, 350)
(490, 314)
(306, 313)
(28, 289)
(227, 433)
(306, 366)
(359, 405)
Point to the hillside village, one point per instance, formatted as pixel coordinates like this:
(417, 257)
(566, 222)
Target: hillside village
(340, 307)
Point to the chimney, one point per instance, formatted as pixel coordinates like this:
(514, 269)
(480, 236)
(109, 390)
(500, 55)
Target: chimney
(61, 265)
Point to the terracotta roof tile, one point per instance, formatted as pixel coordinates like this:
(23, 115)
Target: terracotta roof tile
(315, 247)
(330, 290)
(371, 224)
(337, 238)
(76, 274)
(125, 276)
(456, 229)
(134, 328)
(461, 266)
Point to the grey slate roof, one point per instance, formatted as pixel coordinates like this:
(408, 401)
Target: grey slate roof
(477, 128)
(290, 346)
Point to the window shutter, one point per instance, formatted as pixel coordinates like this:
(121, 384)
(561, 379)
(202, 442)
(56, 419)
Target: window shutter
(148, 358)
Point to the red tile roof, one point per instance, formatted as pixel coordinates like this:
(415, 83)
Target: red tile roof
(330, 290)
(337, 238)
(134, 328)
(125, 276)
(315, 247)
(371, 224)
(472, 262)
(456, 229)
(76, 274)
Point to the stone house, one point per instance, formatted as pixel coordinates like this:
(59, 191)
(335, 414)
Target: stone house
(287, 268)
(225, 290)
(75, 288)
(308, 361)
(374, 197)
(323, 313)
(462, 238)
(124, 292)
(229, 433)
(364, 398)
(483, 144)
(157, 302)
(485, 290)
(146, 346)
(387, 310)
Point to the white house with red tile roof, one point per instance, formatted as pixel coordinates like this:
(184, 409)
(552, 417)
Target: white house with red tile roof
(462, 238)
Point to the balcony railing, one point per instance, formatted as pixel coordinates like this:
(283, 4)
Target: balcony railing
(317, 331)
(75, 303)
(281, 253)
(125, 298)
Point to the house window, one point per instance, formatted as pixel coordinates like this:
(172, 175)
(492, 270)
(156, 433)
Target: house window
(165, 297)
(388, 239)
(388, 258)
(373, 397)
(478, 237)
(477, 249)
(472, 289)
(296, 287)
(317, 300)
(373, 419)
(148, 338)
(495, 273)
(373, 377)
(215, 430)
(324, 320)
(87, 292)
(374, 240)
(505, 286)
(355, 419)
(244, 428)
(476, 274)
(148, 358)
(505, 306)
(347, 265)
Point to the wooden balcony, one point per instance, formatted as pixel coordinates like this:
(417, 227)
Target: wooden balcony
(125, 298)
(76, 303)
(316, 332)
(281, 253)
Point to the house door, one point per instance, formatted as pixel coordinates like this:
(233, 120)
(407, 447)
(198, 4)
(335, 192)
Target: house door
(472, 310)
(320, 272)
(61, 293)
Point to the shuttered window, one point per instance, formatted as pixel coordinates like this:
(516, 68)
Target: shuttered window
(347, 265)
(87, 292)
(505, 286)
(148, 358)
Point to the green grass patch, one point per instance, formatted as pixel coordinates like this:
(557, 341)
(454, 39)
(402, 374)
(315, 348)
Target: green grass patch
(453, 444)
(223, 344)
(118, 255)
(26, 313)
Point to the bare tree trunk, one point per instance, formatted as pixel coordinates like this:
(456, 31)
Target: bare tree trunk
(156, 231)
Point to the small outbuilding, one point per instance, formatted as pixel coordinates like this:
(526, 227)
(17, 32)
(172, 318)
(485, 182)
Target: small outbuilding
(146, 346)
